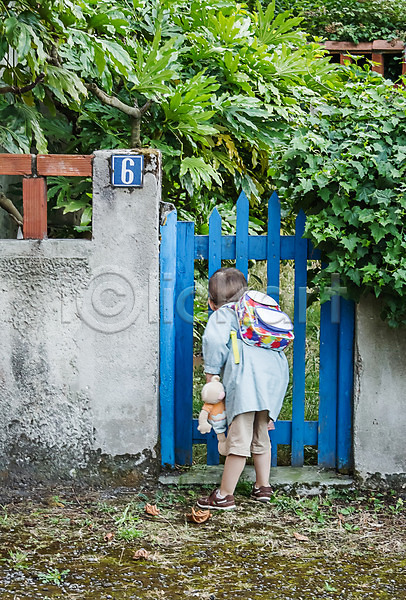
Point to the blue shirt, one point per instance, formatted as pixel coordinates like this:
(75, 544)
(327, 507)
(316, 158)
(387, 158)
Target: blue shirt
(258, 382)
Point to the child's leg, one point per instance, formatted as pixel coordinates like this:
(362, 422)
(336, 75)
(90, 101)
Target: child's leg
(262, 464)
(261, 449)
(238, 444)
(233, 468)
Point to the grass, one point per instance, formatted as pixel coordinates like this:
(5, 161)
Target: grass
(104, 507)
(128, 521)
(128, 533)
(4, 517)
(53, 576)
(17, 559)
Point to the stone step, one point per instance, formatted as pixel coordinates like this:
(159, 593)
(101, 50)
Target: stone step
(308, 481)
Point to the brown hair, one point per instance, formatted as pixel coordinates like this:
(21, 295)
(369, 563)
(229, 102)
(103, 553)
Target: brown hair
(226, 285)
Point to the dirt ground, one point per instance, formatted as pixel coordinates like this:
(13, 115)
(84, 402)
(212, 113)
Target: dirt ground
(104, 545)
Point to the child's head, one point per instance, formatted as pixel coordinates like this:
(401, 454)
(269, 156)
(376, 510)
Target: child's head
(226, 285)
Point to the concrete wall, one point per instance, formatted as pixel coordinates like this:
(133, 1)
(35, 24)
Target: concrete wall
(79, 322)
(379, 398)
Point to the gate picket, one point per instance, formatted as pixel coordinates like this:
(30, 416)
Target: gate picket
(167, 264)
(215, 252)
(241, 238)
(299, 345)
(327, 388)
(185, 282)
(345, 379)
(214, 242)
(274, 246)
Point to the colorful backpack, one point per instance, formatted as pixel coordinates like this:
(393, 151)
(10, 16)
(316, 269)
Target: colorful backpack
(262, 323)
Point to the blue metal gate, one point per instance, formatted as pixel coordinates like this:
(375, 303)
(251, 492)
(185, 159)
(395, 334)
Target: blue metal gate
(180, 248)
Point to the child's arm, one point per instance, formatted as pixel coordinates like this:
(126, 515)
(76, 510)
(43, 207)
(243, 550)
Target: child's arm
(216, 340)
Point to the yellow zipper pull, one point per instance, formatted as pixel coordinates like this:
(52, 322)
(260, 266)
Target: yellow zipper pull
(234, 346)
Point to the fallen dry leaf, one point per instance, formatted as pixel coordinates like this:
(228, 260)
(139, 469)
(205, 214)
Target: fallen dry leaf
(198, 516)
(142, 553)
(300, 537)
(109, 537)
(151, 509)
(377, 525)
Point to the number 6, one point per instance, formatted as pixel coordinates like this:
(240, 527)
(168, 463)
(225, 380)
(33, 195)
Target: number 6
(127, 175)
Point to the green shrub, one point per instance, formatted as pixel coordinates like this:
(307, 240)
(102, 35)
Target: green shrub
(350, 20)
(345, 166)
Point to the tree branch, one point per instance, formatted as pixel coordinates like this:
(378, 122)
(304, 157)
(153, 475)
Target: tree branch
(7, 204)
(54, 57)
(14, 89)
(133, 112)
(146, 106)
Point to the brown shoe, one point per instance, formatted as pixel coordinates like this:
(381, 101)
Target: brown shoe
(216, 502)
(262, 494)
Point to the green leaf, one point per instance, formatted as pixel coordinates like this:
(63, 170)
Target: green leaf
(74, 206)
(24, 41)
(64, 82)
(99, 58)
(86, 217)
(117, 55)
(273, 31)
(152, 66)
(200, 172)
(377, 231)
(350, 243)
(10, 26)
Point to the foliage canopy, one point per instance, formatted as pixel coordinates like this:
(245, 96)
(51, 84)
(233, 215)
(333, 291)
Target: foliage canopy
(220, 84)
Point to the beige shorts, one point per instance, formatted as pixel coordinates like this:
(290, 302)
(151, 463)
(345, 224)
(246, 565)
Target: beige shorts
(248, 433)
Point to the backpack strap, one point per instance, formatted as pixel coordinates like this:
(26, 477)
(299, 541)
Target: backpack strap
(234, 346)
(234, 334)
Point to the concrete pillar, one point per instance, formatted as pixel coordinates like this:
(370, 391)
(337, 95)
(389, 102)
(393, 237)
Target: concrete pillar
(379, 398)
(79, 363)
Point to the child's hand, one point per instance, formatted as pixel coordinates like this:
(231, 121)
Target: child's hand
(271, 425)
(209, 377)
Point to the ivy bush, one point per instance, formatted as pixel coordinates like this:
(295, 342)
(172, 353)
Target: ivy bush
(346, 167)
(350, 20)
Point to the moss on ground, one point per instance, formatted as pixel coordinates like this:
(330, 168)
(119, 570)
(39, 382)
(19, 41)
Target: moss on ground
(82, 546)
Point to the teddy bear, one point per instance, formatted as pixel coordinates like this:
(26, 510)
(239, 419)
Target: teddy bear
(213, 413)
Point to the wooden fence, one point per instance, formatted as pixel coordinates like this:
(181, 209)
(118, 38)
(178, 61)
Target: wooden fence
(378, 51)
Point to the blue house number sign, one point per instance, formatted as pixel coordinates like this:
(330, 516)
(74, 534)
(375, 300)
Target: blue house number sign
(127, 170)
